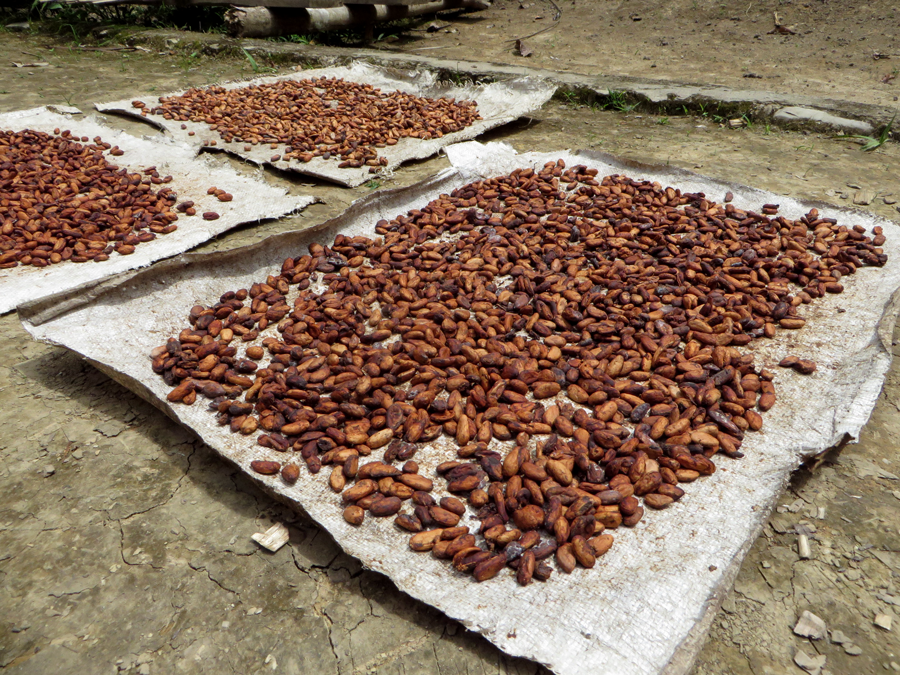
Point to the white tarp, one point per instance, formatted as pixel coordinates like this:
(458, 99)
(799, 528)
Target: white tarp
(647, 605)
(498, 103)
(254, 200)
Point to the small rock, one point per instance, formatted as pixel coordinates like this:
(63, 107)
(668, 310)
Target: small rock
(48, 470)
(852, 649)
(864, 197)
(838, 638)
(810, 626)
(809, 663)
(782, 523)
(18, 27)
(884, 621)
(805, 527)
(144, 669)
(796, 505)
(803, 549)
(895, 666)
(110, 428)
(273, 538)
(78, 454)
(729, 606)
(889, 200)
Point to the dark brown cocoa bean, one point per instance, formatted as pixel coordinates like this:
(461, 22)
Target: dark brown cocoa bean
(487, 569)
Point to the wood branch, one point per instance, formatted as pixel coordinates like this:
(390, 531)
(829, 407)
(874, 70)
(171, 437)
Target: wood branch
(259, 22)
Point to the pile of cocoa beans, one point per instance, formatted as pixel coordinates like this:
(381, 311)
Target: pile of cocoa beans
(60, 199)
(576, 340)
(317, 117)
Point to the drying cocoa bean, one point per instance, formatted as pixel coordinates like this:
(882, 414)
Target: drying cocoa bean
(61, 200)
(318, 117)
(593, 323)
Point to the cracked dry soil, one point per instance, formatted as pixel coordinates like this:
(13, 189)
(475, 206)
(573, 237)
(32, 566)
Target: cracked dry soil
(125, 543)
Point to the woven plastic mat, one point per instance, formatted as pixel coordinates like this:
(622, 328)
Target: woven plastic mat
(254, 200)
(498, 103)
(646, 606)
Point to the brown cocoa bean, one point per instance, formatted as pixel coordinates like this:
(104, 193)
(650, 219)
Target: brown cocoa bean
(443, 517)
(582, 552)
(290, 473)
(488, 569)
(386, 506)
(657, 501)
(354, 514)
(453, 505)
(565, 558)
(525, 572)
(408, 522)
(424, 541)
(416, 481)
(363, 488)
(601, 544)
(528, 517)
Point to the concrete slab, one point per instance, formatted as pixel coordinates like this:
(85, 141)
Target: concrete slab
(805, 117)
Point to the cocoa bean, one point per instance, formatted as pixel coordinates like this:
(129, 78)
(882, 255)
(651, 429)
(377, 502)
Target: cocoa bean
(424, 541)
(601, 544)
(565, 558)
(453, 505)
(408, 523)
(488, 569)
(525, 571)
(443, 517)
(582, 552)
(354, 514)
(657, 501)
(264, 467)
(290, 473)
(387, 506)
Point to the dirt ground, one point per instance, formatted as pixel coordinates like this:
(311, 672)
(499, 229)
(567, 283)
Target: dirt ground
(841, 50)
(125, 543)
